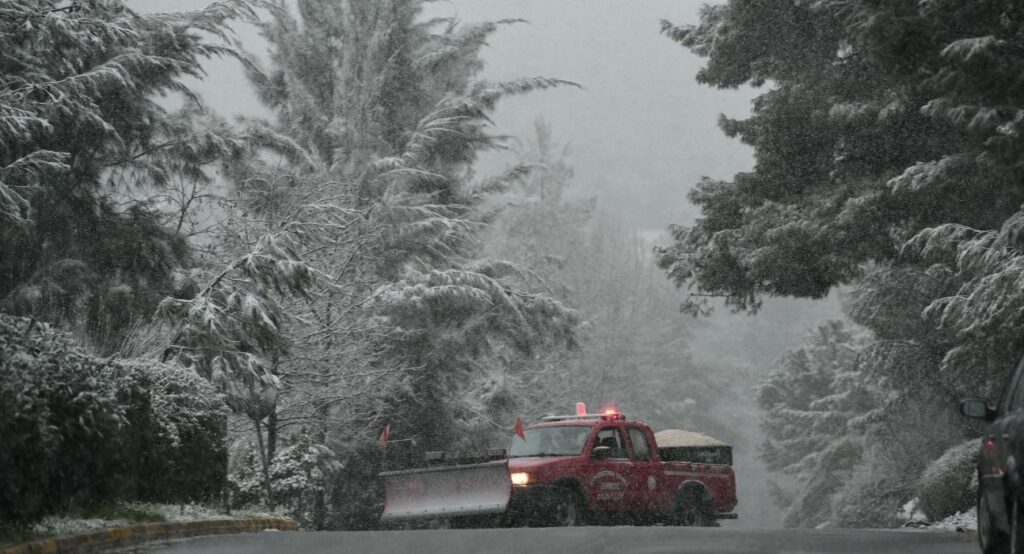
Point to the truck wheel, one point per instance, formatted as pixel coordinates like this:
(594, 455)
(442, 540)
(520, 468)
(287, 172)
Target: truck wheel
(566, 509)
(694, 512)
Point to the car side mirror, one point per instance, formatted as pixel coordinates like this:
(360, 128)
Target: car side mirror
(601, 452)
(973, 407)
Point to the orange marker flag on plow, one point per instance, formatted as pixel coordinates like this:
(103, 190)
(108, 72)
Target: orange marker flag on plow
(520, 432)
(384, 435)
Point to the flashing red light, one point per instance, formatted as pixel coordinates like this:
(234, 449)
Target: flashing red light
(612, 413)
(989, 443)
(581, 409)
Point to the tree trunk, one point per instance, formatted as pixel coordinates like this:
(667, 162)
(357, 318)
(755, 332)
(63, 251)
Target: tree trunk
(272, 434)
(225, 484)
(272, 418)
(268, 489)
(322, 414)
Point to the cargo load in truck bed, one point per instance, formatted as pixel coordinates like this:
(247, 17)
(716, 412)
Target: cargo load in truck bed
(677, 445)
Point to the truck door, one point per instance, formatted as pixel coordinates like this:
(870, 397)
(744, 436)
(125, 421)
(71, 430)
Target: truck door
(607, 480)
(645, 490)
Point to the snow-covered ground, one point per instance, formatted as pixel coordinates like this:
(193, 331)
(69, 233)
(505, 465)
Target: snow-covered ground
(68, 525)
(962, 521)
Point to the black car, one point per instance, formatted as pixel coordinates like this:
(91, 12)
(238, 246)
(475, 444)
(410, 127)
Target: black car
(1000, 467)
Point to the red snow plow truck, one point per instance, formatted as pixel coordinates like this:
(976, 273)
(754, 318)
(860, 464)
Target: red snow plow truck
(573, 470)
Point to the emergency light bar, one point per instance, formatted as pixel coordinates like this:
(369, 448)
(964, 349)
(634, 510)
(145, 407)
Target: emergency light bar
(571, 417)
(611, 413)
(606, 417)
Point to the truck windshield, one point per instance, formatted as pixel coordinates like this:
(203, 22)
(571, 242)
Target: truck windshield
(550, 441)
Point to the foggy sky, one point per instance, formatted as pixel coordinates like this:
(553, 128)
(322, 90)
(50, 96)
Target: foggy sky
(641, 133)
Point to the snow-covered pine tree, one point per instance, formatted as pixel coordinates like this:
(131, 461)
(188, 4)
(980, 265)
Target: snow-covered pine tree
(387, 110)
(811, 403)
(543, 235)
(234, 329)
(634, 344)
(389, 105)
(81, 131)
(840, 138)
(888, 142)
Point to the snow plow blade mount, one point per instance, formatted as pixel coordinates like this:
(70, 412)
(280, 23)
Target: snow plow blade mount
(461, 490)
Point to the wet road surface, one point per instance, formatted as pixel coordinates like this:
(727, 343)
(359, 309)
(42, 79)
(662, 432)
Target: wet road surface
(585, 540)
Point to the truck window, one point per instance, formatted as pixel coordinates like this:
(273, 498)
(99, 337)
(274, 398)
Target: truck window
(612, 438)
(641, 450)
(550, 441)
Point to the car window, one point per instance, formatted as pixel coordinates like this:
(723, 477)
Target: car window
(1016, 396)
(641, 449)
(612, 438)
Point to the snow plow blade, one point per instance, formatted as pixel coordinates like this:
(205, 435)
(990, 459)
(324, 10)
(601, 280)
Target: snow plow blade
(461, 490)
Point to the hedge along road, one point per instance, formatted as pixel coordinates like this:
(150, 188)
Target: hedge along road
(612, 540)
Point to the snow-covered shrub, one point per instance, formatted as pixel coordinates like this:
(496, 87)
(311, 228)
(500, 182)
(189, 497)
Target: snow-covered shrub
(77, 430)
(872, 497)
(299, 473)
(356, 495)
(949, 484)
(59, 421)
(175, 440)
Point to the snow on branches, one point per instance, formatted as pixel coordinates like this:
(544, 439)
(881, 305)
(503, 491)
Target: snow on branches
(67, 65)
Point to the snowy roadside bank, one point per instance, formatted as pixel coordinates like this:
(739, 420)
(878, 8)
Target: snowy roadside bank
(961, 522)
(106, 539)
(125, 514)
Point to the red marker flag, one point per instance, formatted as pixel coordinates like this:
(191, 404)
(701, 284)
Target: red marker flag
(384, 435)
(520, 432)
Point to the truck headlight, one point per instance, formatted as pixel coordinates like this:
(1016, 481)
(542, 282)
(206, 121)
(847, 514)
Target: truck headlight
(521, 479)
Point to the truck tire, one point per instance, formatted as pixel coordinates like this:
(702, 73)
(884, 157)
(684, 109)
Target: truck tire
(694, 510)
(566, 509)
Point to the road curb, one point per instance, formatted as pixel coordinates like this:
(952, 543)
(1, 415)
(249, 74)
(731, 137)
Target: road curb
(117, 537)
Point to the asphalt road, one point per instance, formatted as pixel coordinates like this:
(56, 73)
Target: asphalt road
(585, 540)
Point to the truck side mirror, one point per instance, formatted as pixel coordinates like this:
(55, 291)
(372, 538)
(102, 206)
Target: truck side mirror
(973, 407)
(601, 452)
